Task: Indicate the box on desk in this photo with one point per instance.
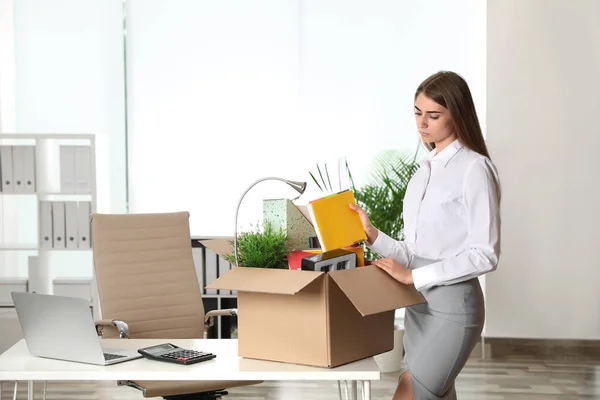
(314, 318)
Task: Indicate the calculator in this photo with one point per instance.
(170, 353)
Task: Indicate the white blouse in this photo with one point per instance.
(451, 219)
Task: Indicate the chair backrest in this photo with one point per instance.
(146, 276)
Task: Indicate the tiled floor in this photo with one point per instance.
(480, 380)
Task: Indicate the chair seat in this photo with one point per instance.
(172, 388)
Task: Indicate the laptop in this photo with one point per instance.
(63, 328)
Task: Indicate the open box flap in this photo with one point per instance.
(259, 280)
(219, 246)
(265, 280)
(373, 291)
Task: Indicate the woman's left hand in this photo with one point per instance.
(396, 270)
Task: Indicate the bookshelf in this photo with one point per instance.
(27, 240)
(48, 190)
(209, 266)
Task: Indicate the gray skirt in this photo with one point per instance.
(440, 335)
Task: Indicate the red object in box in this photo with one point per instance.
(295, 259)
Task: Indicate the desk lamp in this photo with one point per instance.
(300, 187)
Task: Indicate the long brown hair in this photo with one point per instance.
(451, 91)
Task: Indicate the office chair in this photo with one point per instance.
(148, 288)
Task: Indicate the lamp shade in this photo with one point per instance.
(299, 187)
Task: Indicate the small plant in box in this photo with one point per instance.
(266, 248)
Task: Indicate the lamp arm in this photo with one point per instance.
(235, 252)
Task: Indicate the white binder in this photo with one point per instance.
(83, 224)
(83, 169)
(29, 169)
(71, 224)
(7, 169)
(40, 277)
(46, 233)
(18, 170)
(67, 169)
(58, 224)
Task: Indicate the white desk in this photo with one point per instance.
(16, 364)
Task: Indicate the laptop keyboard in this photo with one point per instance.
(108, 356)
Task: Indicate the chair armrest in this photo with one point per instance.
(209, 318)
(121, 326)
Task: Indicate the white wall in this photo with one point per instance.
(7, 124)
(62, 71)
(216, 89)
(543, 100)
(7, 67)
(70, 75)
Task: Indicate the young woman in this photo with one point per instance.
(452, 236)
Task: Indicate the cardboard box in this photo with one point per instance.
(313, 318)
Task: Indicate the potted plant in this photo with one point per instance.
(383, 197)
(261, 248)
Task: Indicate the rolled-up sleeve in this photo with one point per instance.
(482, 203)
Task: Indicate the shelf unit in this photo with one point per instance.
(48, 187)
(209, 266)
(16, 214)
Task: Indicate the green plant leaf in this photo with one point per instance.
(321, 175)
(315, 180)
(383, 197)
(350, 176)
(266, 248)
(328, 180)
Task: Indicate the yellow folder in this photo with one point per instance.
(336, 225)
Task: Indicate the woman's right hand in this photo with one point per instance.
(370, 230)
